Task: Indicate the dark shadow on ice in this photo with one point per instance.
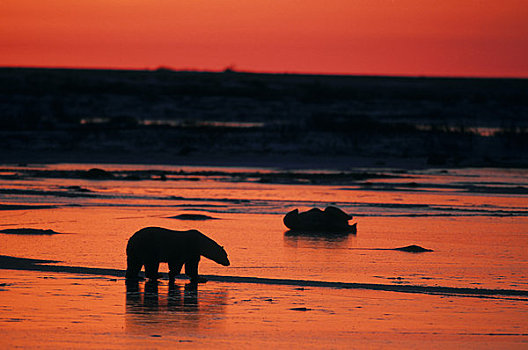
(413, 249)
(29, 231)
(192, 217)
(96, 174)
(24, 206)
(13, 263)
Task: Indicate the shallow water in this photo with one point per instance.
(474, 220)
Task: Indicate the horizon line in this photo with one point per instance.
(234, 70)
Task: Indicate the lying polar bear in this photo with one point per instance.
(331, 220)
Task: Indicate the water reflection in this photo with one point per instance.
(155, 308)
(296, 238)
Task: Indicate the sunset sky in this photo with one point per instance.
(381, 37)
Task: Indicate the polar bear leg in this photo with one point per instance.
(133, 267)
(151, 269)
(191, 270)
(174, 269)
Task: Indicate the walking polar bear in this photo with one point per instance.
(152, 245)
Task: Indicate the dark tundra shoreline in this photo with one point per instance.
(246, 119)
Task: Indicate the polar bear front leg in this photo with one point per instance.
(134, 265)
(191, 270)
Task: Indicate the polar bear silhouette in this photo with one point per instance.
(332, 220)
(152, 245)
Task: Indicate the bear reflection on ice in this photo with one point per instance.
(331, 220)
(152, 245)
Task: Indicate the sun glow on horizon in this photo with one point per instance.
(380, 37)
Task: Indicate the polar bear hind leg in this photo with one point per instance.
(174, 269)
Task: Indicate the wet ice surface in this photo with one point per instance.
(474, 220)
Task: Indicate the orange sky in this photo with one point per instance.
(395, 37)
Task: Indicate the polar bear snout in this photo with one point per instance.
(224, 261)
